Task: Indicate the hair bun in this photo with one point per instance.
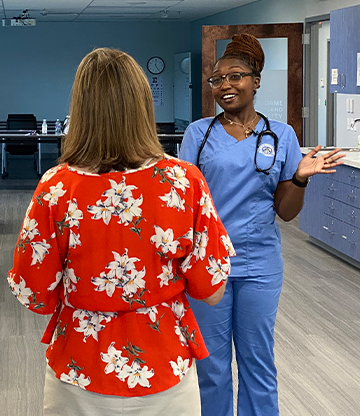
(247, 44)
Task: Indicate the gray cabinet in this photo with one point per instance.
(331, 211)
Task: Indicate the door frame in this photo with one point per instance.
(292, 31)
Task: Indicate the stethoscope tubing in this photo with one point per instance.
(260, 136)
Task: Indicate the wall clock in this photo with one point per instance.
(156, 65)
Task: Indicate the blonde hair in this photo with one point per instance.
(112, 121)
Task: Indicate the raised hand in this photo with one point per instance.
(311, 164)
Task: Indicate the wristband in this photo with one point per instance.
(298, 183)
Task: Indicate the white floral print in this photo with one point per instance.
(179, 330)
(90, 322)
(151, 311)
(130, 209)
(74, 214)
(74, 239)
(173, 200)
(218, 270)
(70, 281)
(177, 175)
(55, 193)
(135, 281)
(122, 265)
(119, 192)
(228, 245)
(75, 379)
(114, 360)
(40, 249)
(136, 375)
(102, 210)
(107, 282)
(207, 205)
(164, 240)
(119, 202)
(201, 240)
(122, 274)
(180, 367)
(186, 264)
(178, 309)
(53, 285)
(29, 229)
(20, 290)
(49, 174)
(166, 275)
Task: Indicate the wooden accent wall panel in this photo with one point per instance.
(291, 31)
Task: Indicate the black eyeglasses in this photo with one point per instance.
(232, 78)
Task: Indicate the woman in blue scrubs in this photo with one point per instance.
(248, 193)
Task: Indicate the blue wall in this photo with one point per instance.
(260, 12)
(38, 63)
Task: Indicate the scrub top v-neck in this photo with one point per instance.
(242, 196)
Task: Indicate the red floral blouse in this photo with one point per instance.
(111, 256)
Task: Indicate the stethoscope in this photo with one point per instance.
(260, 136)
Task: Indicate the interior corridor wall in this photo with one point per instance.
(38, 63)
(259, 12)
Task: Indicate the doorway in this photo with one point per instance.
(292, 32)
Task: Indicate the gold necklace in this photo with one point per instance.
(247, 128)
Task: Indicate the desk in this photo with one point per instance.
(171, 139)
(21, 137)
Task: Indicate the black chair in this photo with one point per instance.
(167, 128)
(21, 122)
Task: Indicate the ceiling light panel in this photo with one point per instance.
(125, 3)
(63, 5)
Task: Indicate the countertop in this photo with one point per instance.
(352, 158)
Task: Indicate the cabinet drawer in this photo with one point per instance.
(332, 232)
(349, 175)
(351, 215)
(333, 189)
(351, 195)
(351, 241)
(332, 207)
(342, 192)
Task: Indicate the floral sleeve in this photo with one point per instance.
(37, 267)
(207, 265)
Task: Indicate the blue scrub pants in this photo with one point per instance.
(247, 314)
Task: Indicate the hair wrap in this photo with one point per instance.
(246, 45)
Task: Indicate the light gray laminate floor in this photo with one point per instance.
(317, 333)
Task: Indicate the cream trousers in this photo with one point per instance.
(62, 399)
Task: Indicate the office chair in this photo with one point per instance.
(20, 122)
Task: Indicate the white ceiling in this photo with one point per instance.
(116, 10)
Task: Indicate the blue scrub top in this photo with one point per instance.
(242, 196)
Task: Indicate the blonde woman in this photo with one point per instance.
(113, 238)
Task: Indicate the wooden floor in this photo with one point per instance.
(317, 332)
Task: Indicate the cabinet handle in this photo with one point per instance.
(352, 216)
(325, 228)
(332, 208)
(352, 176)
(331, 188)
(351, 196)
(352, 242)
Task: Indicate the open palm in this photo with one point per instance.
(311, 164)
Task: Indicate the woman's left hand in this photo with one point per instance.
(311, 165)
